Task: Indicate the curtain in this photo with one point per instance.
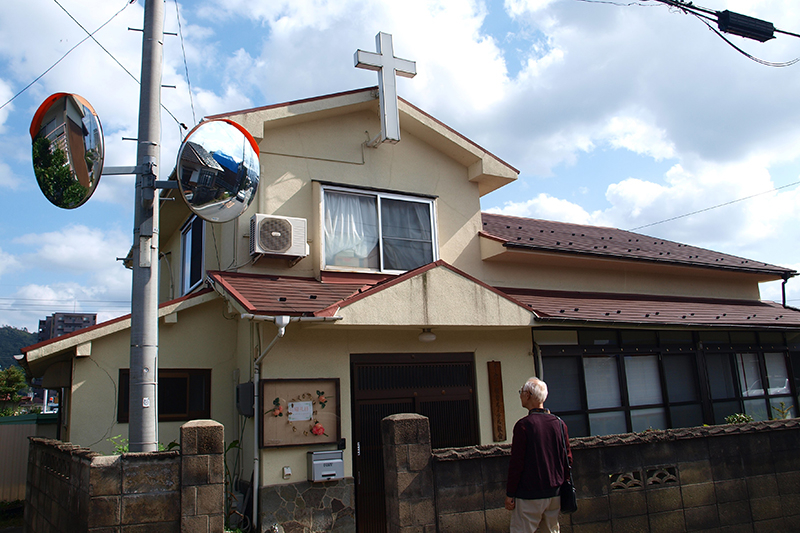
(602, 383)
(777, 375)
(749, 376)
(407, 236)
(644, 382)
(351, 229)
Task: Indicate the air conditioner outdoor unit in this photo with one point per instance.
(276, 235)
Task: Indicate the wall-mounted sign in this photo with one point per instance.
(299, 411)
(296, 412)
(67, 143)
(218, 170)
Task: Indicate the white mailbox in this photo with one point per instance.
(325, 466)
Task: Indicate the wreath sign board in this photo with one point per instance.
(297, 412)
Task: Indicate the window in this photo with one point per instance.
(192, 237)
(377, 231)
(608, 394)
(183, 394)
(616, 381)
(755, 383)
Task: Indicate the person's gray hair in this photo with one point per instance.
(537, 389)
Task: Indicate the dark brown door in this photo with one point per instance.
(439, 386)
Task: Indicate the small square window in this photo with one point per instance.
(183, 394)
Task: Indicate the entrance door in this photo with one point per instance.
(439, 386)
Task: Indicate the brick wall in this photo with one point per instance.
(717, 478)
(70, 488)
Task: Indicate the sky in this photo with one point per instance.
(620, 114)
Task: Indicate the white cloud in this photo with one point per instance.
(8, 179)
(5, 96)
(76, 249)
(639, 136)
(518, 7)
(34, 302)
(548, 208)
(8, 263)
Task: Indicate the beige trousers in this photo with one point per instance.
(528, 514)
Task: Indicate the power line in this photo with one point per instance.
(90, 35)
(185, 64)
(727, 21)
(65, 299)
(115, 59)
(714, 206)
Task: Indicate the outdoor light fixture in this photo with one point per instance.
(427, 335)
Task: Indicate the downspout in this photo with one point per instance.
(281, 322)
(786, 278)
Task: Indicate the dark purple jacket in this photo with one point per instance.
(538, 467)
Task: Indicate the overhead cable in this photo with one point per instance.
(714, 206)
(185, 64)
(90, 35)
(115, 59)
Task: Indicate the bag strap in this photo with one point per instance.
(564, 445)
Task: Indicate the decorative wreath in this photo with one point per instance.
(318, 401)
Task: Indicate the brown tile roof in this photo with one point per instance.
(275, 295)
(577, 307)
(279, 295)
(561, 237)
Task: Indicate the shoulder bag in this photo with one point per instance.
(569, 500)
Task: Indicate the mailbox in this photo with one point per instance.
(325, 466)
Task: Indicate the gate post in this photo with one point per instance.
(408, 473)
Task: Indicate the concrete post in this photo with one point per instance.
(408, 470)
(202, 477)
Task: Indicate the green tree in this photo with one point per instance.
(12, 380)
(55, 178)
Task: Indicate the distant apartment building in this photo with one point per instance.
(59, 324)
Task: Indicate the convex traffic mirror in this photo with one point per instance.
(218, 170)
(67, 142)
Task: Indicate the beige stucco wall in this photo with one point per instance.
(316, 351)
(436, 297)
(332, 150)
(201, 338)
(573, 273)
(296, 155)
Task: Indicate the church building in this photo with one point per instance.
(364, 280)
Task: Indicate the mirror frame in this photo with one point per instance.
(230, 212)
(85, 171)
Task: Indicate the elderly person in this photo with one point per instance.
(538, 465)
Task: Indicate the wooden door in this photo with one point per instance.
(439, 386)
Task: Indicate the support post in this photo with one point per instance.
(143, 428)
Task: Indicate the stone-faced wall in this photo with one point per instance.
(70, 488)
(308, 507)
(717, 478)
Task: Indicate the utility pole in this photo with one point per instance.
(143, 411)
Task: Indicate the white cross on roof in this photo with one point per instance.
(387, 66)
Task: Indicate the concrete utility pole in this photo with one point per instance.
(143, 410)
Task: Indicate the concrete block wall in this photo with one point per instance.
(727, 478)
(72, 489)
(408, 474)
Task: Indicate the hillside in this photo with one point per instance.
(11, 340)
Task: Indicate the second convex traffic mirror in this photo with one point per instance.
(67, 143)
(218, 170)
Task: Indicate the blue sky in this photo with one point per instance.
(616, 115)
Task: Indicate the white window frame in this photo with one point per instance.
(188, 237)
(379, 195)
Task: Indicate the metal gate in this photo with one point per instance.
(439, 386)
